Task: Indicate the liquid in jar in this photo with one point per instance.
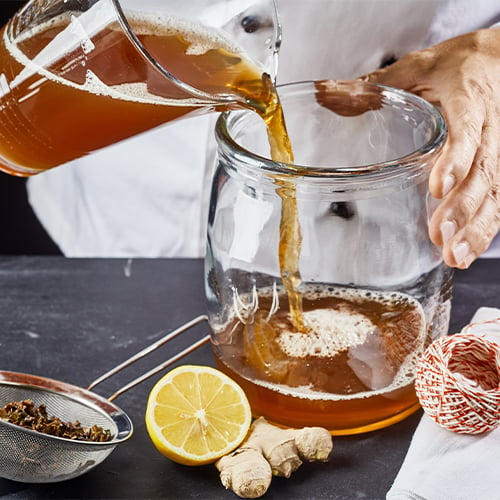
(351, 371)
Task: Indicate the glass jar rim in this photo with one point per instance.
(394, 167)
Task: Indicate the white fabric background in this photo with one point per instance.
(148, 196)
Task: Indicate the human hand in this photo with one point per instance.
(462, 75)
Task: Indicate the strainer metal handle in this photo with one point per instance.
(148, 350)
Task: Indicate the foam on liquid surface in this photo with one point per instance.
(330, 331)
(201, 40)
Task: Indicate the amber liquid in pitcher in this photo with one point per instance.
(99, 95)
(96, 96)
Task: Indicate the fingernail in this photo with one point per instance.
(469, 260)
(448, 183)
(448, 229)
(461, 252)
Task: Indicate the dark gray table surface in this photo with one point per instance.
(73, 319)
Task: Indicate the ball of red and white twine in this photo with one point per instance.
(458, 383)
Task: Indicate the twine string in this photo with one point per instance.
(458, 381)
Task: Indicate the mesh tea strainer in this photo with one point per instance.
(33, 457)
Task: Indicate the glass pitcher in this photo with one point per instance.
(78, 75)
(352, 213)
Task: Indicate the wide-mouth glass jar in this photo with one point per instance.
(323, 286)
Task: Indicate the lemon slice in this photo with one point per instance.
(197, 414)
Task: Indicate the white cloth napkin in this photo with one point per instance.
(443, 465)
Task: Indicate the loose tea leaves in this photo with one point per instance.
(27, 415)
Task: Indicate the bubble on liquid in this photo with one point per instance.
(201, 38)
(330, 331)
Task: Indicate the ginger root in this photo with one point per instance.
(271, 451)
